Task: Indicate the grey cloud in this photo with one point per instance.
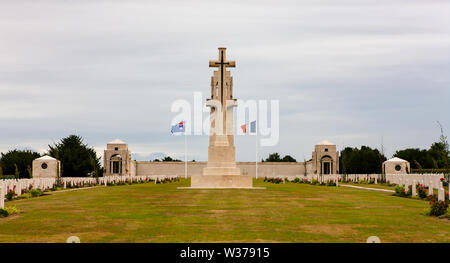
(349, 71)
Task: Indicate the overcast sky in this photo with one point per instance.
(352, 72)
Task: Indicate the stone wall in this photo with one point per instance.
(247, 168)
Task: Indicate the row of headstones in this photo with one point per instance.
(73, 181)
(392, 178)
(77, 181)
(325, 178)
(360, 177)
(432, 181)
(331, 177)
(132, 179)
(21, 185)
(18, 186)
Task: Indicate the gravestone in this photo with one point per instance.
(2, 196)
(414, 192)
(430, 186)
(19, 188)
(441, 192)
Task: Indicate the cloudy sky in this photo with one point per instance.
(354, 72)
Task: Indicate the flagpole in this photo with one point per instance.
(256, 161)
(185, 154)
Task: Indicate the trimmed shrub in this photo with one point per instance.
(35, 192)
(11, 210)
(401, 191)
(10, 195)
(437, 208)
(3, 213)
(421, 191)
(274, 180)
(331, 183)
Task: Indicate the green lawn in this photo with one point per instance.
(385, 186)
(377, 186)
(281, 213)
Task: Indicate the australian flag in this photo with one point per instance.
(179, 127)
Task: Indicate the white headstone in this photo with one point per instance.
(441, 192)
(2, 196)
(413, 188)
(19, 188)
(430, 186)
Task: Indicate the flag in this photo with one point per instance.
(253, 127)
(244, 128)
(179, 127)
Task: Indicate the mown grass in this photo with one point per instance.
(377, 186)
(281, 213)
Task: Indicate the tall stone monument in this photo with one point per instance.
(221, 170)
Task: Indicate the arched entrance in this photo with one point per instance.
(116, 164)
(326, 164)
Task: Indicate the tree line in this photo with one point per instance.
(77, 160)
(80, 160)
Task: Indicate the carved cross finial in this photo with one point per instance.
(222, 65)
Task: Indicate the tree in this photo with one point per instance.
(434, 158)
(288, 158)
(77, 159)
(273, 157)
(170, 159)
(30, 171)
(305, 168)
(20, 158)
(416, 157)
(445, 152)
(361, 161)
(417, 164)
(16, 171)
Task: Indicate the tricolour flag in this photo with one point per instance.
(253, 127)
(179, 127)
(244, 128)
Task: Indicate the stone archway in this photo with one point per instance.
(116, 164)
(326, 165)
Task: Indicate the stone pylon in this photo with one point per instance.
(221, 170)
